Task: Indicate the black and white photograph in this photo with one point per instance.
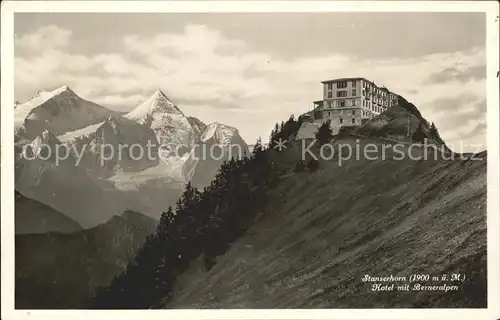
(224, 158)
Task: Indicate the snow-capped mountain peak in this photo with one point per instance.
(59, 110)
(219, 132)
(158, 102)
(55, 92)
(23, 110)
(169, 123)
(199, 168)
(63, 89)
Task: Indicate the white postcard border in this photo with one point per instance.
(7, 153)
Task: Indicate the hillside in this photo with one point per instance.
(56, 270)
(269, 233)
(322, 232)
(403, 122)
(32, 216)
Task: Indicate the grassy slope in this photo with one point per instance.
(56, 270)
(324, 231)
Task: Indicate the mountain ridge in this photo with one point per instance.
(217, 143)
(58, 111)
(32, 217)
(50, 265)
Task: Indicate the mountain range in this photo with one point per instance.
(103, 173)
(62, 270)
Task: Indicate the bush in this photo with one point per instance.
(418, 135)
(325, 133)
(313, 165)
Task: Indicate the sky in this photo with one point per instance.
(251, 70)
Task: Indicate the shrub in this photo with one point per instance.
(325, 133)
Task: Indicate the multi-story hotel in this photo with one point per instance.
(348, 101)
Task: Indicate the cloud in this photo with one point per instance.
(217, 78)
(118, 99)
(445, 105)
(45, 38)
(462, 121)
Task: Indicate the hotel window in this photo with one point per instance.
(353, 112)
(353, 120)
(330, 86)
(354, 92)
(330, 94)
(342, 84)
(341, 120)
(341, 93)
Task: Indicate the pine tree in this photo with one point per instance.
(274, 136)
(434, 131)
(418, 135)
(203, 224)
(166, 218)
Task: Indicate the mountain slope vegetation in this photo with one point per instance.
(322, 232)
(268, 233)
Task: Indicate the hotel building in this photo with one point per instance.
(350, 101)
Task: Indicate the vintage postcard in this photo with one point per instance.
(250, 160)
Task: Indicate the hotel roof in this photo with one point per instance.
(384, 88)
(341, 79)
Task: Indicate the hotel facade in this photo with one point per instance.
(349, 101)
